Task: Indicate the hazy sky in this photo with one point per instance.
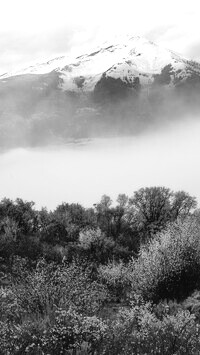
(33, 30)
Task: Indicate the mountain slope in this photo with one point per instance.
(121, 86)
(125, 59)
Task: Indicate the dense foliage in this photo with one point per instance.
(112, 279)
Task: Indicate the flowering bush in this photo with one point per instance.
(139, 331)
(169, 266)
(117, 277)
(51, 310)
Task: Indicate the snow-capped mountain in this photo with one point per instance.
(131, 58)
(124, 59)
(118, 87)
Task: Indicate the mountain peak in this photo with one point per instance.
(126, 58)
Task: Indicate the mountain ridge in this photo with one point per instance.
(119, 59)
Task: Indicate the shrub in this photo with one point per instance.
(50, 309)
(169, 266)
(117, 278)
(139, 331)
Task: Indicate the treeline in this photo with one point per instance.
(114, 279)
(102, 233)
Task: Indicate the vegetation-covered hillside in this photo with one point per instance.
(112, 279)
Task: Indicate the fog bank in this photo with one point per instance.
(84, 172)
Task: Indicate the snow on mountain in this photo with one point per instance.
(125, 58)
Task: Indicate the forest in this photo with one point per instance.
(120, 277)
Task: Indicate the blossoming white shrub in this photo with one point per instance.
(169, 266)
